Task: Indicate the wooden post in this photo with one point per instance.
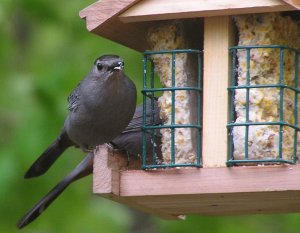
(107, 167)
(218, 37)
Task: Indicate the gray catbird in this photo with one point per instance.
(100, 108)
(130, 141)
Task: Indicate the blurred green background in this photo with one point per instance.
(45, 50)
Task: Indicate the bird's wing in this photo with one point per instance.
(73, 99)
(137, 121)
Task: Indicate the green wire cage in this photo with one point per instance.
(281, 87)
(153, 91)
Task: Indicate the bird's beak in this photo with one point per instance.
(119, 66)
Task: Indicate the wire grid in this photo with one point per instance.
(281, 123)
(150, 92)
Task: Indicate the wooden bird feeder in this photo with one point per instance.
(214, 189)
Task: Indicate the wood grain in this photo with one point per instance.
(102, 10)
(218, 37)
(191, 181)
(293, 3)
(224, 204)
(107, 179)
(149, 10)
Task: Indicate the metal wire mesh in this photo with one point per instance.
(281, 122)
(150, 91)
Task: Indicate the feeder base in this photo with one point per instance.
(173, 193)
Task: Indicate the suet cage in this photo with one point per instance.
(281, 144)
(175, 127)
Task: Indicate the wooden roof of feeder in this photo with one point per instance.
(126, 22)
(214, 189)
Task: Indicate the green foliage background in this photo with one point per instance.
(45, 50)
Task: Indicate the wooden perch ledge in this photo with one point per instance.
(172, 193)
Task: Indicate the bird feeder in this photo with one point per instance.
(242, 157)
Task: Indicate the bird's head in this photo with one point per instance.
(108, 64)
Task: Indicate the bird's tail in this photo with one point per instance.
(83, 169)
(49, 156)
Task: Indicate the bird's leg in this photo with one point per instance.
(128, 159)
(88, 149)
(111, 146)
(116, 150)
(113, 149)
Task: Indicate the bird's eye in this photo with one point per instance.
(99, 66)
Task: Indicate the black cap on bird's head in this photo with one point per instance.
(109, 63)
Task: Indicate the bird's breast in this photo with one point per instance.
(104, 112)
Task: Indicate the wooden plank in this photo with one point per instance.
(132, 203)
(149, 10)
(107, 180)
(293, 3)
(192, 181)
(225, 204)
(218, 37)
(102, 10)
(215, 191)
